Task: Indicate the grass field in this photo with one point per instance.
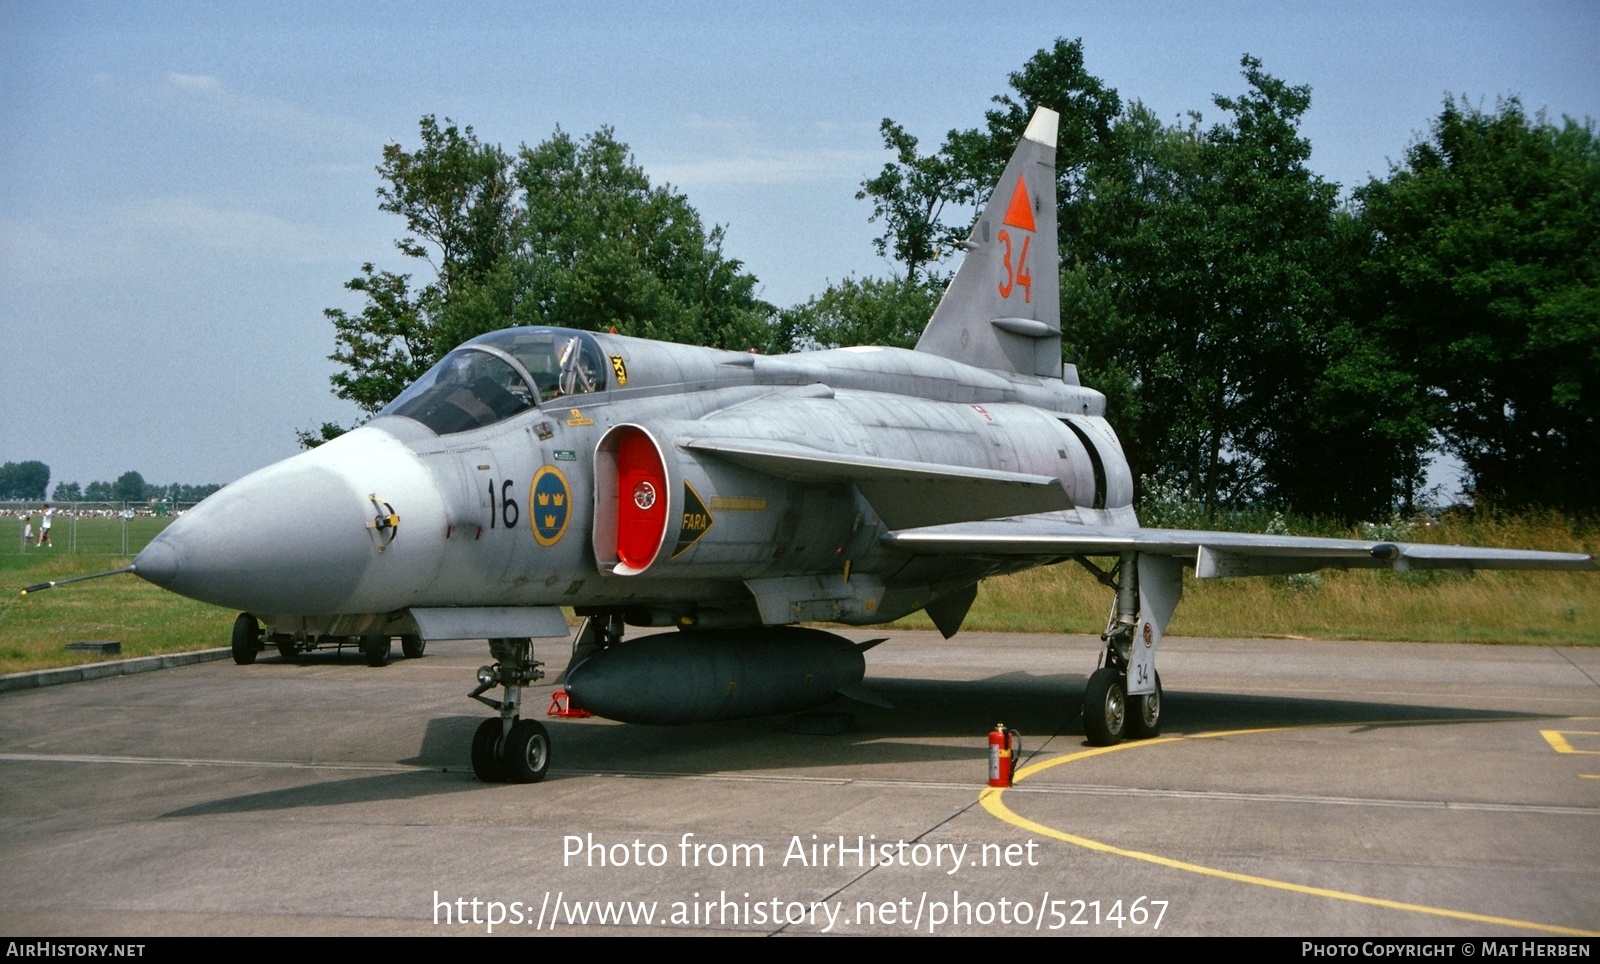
(146, 619)
(1490, 607)
(1460, 607)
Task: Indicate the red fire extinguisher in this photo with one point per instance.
(1005, 745)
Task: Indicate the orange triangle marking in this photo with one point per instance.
(1020, 213)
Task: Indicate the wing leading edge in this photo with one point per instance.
(1214, 554)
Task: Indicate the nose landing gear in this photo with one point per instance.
(509, 749)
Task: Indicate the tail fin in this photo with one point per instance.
(1003, 308)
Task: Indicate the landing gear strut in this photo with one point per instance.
(509, 749)
(1147, 590)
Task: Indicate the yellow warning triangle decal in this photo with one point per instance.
(1020, 213)
(697, 520)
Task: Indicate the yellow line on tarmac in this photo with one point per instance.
(1558, 741)
(992, 802)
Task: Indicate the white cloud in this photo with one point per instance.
(766, 168)
(190, 222)
(134, 240)
(30, 254)
(742, 151)
(215, 101)
(194, 81)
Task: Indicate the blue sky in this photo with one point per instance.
(187, 186)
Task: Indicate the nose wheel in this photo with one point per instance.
(509, 749)
(521, 755)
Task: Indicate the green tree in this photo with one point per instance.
(384, 348)
(1211, 288)
(193, 493)
(865, 311)
(129, 487)
(24, 480)
(459, 204)
(910, 196)
(1206, 297)
(927, 202)
(67, 492)
(1485, 275)
(610, 250)
(455, 193)
(568, 233)
(1356, 451)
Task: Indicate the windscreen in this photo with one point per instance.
(468, 389)
(495, 376)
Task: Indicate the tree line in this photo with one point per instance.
(28, 481)
(1261, 339)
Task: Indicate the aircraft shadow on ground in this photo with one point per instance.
(1043, 708)
(379, 788)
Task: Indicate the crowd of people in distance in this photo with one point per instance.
(47, 514)
(87, 512)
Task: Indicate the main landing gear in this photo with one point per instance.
(1147, 590)
(509, 749)
(1110, 715)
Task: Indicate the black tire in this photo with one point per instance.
(1105, 708)
(526, 754)
(486, 752)
(376, 648)
(413, 646)
(246, 639)
(287, 648)
(1144, 714)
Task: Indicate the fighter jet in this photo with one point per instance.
(732, 497)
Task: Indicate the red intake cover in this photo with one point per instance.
(641, 499)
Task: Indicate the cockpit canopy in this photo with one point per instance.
(495, 376)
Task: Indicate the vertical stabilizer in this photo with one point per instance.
(1003, 308)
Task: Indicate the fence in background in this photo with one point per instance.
(85, 528)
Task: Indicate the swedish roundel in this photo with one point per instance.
(550, 502)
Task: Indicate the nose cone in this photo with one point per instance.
(295, 538)
(288, 539)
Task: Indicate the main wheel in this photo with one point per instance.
(1144, 714)
(286, 647)
(376, 648)
(246, 639)
(526, 753)
(1105, 707)
(413, 646)
(486, 759)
